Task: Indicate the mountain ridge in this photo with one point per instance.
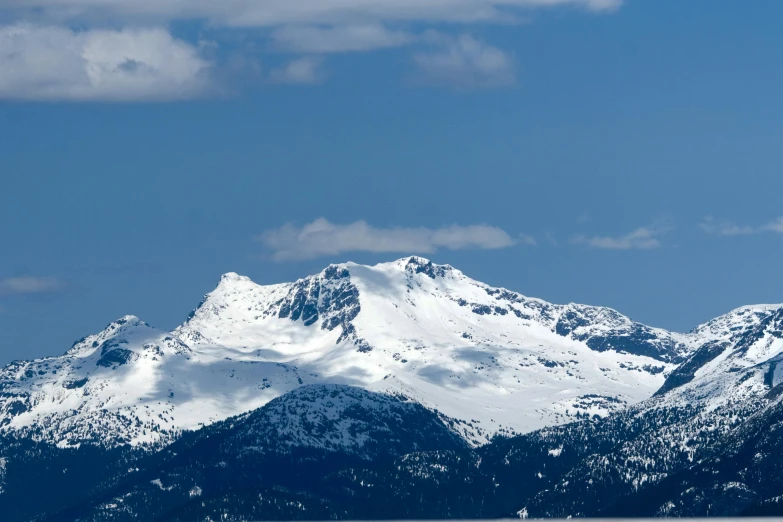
(408, 327)
(309, 381)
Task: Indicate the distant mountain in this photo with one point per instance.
(491, 360)
(706, 445)
(662, 424)
(132, 384)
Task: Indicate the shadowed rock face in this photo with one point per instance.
(330, 298)
(116, 357)
(686, 372)
(420, 265)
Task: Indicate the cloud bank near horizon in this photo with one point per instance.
(29, 285)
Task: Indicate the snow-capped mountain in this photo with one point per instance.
(700, 437)
(431, 333)
(490, 359)
(700, 446)
(133, 384)
(707, 445)
(730, 345)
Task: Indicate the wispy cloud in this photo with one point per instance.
(464, 62)
(276, 13)
(322, 237)
(301, 71)
(728, 228)
(725, 228)
(339, 39)
(525, 239)
(645, 238)
(774, 226)
(55, 63)
(30, 285)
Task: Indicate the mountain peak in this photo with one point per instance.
(417, 260)
(232, 277)
(128, 319)
(124, 323)
(422, 265)
(738, 320)
(231, 283)
(333, 272)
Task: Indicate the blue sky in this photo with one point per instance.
(619, 153)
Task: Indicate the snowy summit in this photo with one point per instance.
(488, 360)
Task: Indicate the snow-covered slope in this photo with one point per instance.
(494, 360)
(701, 445)
(133, 384)
(743, 343)
(707, 444)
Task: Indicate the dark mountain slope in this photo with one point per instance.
(270, 463)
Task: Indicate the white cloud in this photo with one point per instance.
(55, 63)
(30, 285)
(464, 62)
(306, 70)
(640, 239)
(774, 226)
(339, 39)
(275, 13)
(725, 228)
(321, 238)
(525, 239)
